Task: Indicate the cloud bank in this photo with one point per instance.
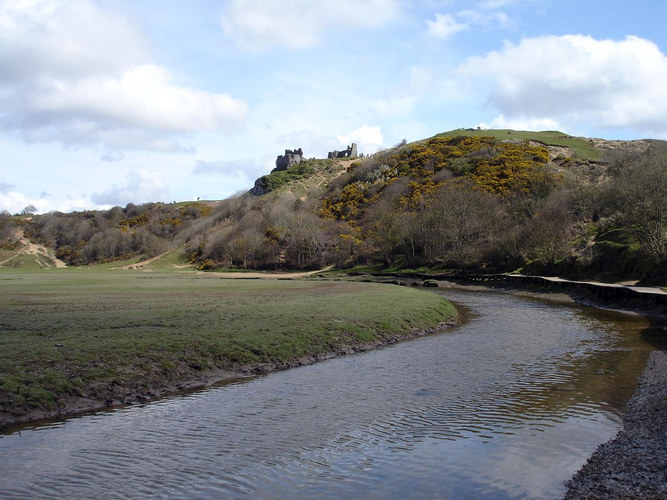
(141, 185)
(75, 74)
(575, 78)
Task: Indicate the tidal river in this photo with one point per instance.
(509, 405)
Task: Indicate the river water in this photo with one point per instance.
(509, 405)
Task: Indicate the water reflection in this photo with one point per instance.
(507, 406)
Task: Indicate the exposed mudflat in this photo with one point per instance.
(634, 463)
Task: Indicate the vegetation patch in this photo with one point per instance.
(111, 336)
(584, 149)
(279, 178)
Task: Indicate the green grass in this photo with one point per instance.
(107, 334)
(22, 263)
(183, 204)
(172, 260)
(583, 149)
(382, 270)
(304, 172)
(117, 263)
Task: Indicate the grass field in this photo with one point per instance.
(103, 335)
(583, 149)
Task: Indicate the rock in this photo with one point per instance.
(260, 187)
(291, 157)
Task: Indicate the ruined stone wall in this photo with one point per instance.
(291, 157)
(350, 152)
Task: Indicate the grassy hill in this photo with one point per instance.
(482, 200)
(583, 149)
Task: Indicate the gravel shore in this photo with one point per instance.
(634, 463)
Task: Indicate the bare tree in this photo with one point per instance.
(384, 226)
(639, 188)
(464, 218)
(550, 230)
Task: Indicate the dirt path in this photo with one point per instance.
(44, 259)
(139, 265)
(627, 284)
(265, 275)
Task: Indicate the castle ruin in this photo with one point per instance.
(350, 152)
(291, 157)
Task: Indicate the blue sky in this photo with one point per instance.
(107, 102)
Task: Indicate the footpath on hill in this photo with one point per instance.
(27, 247)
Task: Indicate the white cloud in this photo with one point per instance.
(256, 25)
(487, 15)
(444, 26)
(400, 100)
(394, 106)
(519, 123)
(420, 79)
(141, 186)
(602, 83)
(368, 139)
(485, 18)
(143, 96)
(73, 73)
(243, 168)
(14, 202)
(66, 38)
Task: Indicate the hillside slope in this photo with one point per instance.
(467, 199)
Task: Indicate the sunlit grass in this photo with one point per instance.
(583, 149)
(83, 332)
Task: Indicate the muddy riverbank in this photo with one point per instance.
(192, 380)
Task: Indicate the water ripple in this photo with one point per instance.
(506, 406)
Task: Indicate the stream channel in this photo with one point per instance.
(509, 405)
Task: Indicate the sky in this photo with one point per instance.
(110, 102)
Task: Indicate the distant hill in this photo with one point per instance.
(467, 199)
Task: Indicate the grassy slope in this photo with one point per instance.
(109, 335)
(319, 172)
(583, 149)
(169, 261)
(20, 262)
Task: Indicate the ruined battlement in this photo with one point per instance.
(291, 157)
(350, 152)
